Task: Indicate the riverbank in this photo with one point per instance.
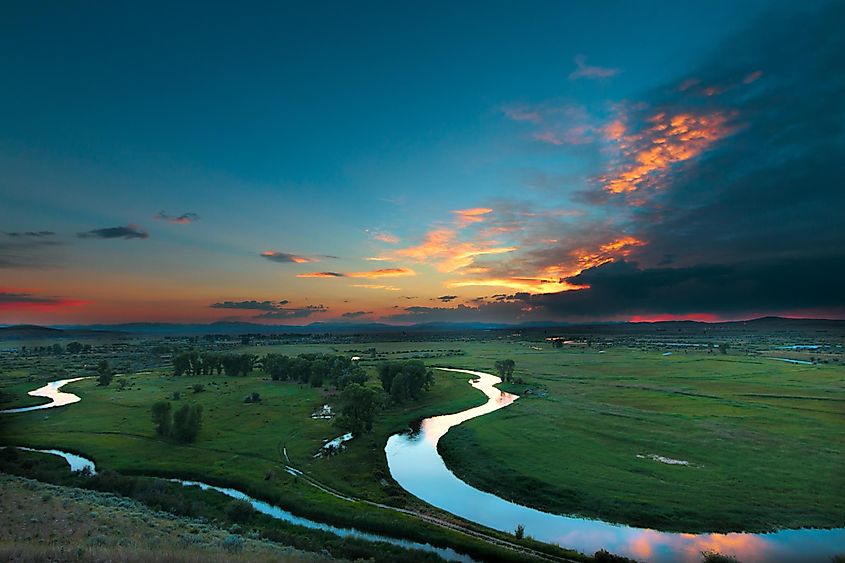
(754, 441)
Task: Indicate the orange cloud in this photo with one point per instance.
(375, 286)
(386, 237)
(382, 273)
(371, 274)
(448, 254)
(276, 256)
(473, 215)
(525, 284)
(668, 140)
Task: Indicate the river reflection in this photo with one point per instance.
(53, 392)
(415, 464)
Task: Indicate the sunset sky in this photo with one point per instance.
(408, 162)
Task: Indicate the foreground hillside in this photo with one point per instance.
(43, 522)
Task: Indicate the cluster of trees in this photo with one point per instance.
(104, 373)
(505, 369)
(182, 425)
(208, 363)
(405, 381)
(358, 408)
(315, 369)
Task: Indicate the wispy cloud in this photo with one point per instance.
(383, 236)
(30, 234)
(293, 312)
(11, 300)
(447, 298)
(320, 275)
(183, 219)
(370, 274)
(583, 70)
(271, 309)
(128, 232)
(356, 314)
(473, 215)
(376, 286)
(286, 257)
(251, 305)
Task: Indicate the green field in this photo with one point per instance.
(763, 438)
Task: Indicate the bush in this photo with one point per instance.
(198, 387)
(239, 511)
(233, 543)
(253, 398)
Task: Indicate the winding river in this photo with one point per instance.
(416, 465)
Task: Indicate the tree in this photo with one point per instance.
(162, 417)
(319, 371)
(405, 381)
(104, 372)
(505, 369)
(358, 407)
(186, 423)
(74, 347)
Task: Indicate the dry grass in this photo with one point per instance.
(41, 522)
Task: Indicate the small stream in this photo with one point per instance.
(79, 463)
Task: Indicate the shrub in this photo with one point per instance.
(233, 543)
(239, 511)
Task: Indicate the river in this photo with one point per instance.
(417, 466)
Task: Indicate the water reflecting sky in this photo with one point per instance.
(416, 465)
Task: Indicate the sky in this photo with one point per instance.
(407, 162)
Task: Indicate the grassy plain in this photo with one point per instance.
(241, 444)
(762, 439)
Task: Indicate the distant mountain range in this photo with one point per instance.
(19, 332)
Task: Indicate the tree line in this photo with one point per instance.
(315, 369)
(209, 363)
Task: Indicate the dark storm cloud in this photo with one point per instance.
(625, 288)
(249, 305)
(183, 219)
(742, 209)
(773, 187)
(356, 314)
(127, 232)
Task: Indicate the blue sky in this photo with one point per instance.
(313, 129)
